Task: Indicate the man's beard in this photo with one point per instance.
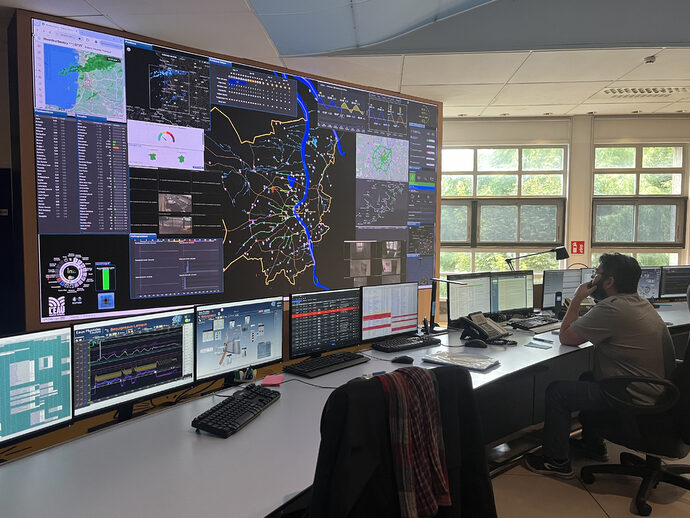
(599, 293)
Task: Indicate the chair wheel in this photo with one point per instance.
(643, 508)
(587, 477)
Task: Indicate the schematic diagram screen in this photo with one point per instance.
(117, 361)
(198, 179)
(35, 382)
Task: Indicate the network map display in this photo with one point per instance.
(170, 178)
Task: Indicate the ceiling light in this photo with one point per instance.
(591, 113)
(547, 113)
(649, 59)
(680, 111)
(668, 93)
(504, 114)
(636, 111)
(462, 115)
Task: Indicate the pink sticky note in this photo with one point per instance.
(273, 380)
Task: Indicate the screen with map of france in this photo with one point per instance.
(166, 177)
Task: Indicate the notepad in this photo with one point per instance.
(273, 380)
(471, 361)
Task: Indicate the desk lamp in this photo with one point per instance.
(561, 253)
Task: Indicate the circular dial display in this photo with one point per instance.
(70, 273)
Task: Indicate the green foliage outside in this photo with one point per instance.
(453, 223)
(542, 159)
(656, 223)
(497, 159)
(456, 185)
(614, 223)
(657, 259)
(539, 263)
(660, 183)
(614, 157)
(497, 185)
(491, 261)
(497, 223)
(542, 185)
(656, 157)
(538, 223)
(614, 184)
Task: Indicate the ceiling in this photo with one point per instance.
(508, 58)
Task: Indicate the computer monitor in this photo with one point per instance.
(674, 281)
(650, 282)
(237, 335)
(565, 281)
(117, 362)
(474, 296)
(587, 274)
(389, 309)
(512, 292)
(35, 382)
(324, 320)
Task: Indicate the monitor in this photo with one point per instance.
(475, 296)
(650, 282)
(565, 281)
(324, 320)
(674, 281)
(512, 292)
(117, 362)
(587, 274)
(237, 335)
(35, 382)
(388, 310)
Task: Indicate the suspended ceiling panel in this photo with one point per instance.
(440, 69)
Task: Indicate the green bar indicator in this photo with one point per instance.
(106, 278)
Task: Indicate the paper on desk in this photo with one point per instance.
(273, 380)
(538, 345)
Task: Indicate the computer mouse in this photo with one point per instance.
(475, 342)
(403, 359)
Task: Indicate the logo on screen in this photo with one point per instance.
(56, 306)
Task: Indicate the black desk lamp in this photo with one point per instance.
(433, 325)
(561, 253)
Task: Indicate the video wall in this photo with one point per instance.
(165, 178)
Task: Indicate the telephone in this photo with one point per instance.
(476, 325)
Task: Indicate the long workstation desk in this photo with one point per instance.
(158, 466)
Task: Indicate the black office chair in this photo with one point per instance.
(659, 430)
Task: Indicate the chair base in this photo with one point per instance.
(650, 470)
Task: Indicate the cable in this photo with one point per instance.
(310, 384)
(577, 264)
(374, 357)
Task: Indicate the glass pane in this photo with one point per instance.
(614, 223)
(539, 263)
(538, 223)
(657, 224)
(455, 262)
(497, 159)
(614, 157)
(491, 261)
(542, 185)
(542, 159)
(498, 223)
(660, 183)
(457, 159)
(614, 184)
(453, 223)
(657, 259)
(456, 185)
(497, 185)
(662, 157)
(597, 255)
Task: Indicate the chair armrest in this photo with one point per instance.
(615, 390)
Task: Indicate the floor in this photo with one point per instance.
(521, 493)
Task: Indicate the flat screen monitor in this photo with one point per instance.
(119, 361)
(565, 281)
(650, 282)
(674, 281)
(389, 309)
(512, 292)
(35, 382)
(587, 274)
(475, 296)
(324, 320)
(238, 335)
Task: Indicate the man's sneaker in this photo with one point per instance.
(590, 450)
(547, 466)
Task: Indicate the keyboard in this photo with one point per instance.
(313, 367)
(235, 411)
(532, 322)
(403, 343)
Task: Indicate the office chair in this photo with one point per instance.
(355, 474)
(659, 430)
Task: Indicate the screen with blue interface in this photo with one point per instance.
(650, 282)
(35, 382)
(121, 360)
(674, 281)
(237, 335)
(162, 175)
(512, 291)
(475, 295)
(389, 309)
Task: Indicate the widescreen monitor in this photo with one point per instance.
(35, 382)
(650, 282)
(388, 310)
(324, 320)
(512, 292)
(238, 335)
(122, 360)
(474, 296)
(674, 281)
(565, 281)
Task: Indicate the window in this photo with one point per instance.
(637, 197)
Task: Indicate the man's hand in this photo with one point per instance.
(567, 335)
(583, 291)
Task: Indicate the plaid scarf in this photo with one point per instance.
(416, 441)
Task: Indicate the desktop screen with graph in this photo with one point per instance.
(121, 360)
(35, 382)
(237, 335)
(170, 177)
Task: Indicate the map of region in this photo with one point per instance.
(382, 158)
(276, 183)
(85, 83)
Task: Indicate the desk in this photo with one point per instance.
(678, 315)
(158, 466)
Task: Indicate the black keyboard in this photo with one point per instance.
(313, 367)
(532, 322)
(403, 343)
(235, 411)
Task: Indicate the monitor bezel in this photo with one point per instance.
(664, 269)
(402, 333)
(510, 273)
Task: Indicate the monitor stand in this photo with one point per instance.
(124, 413)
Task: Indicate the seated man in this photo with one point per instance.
(630, 339)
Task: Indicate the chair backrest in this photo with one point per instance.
(681, 412)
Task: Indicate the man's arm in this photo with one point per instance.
(569, 336)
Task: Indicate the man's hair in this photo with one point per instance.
(624, 269)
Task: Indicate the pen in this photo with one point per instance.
(542, 340)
